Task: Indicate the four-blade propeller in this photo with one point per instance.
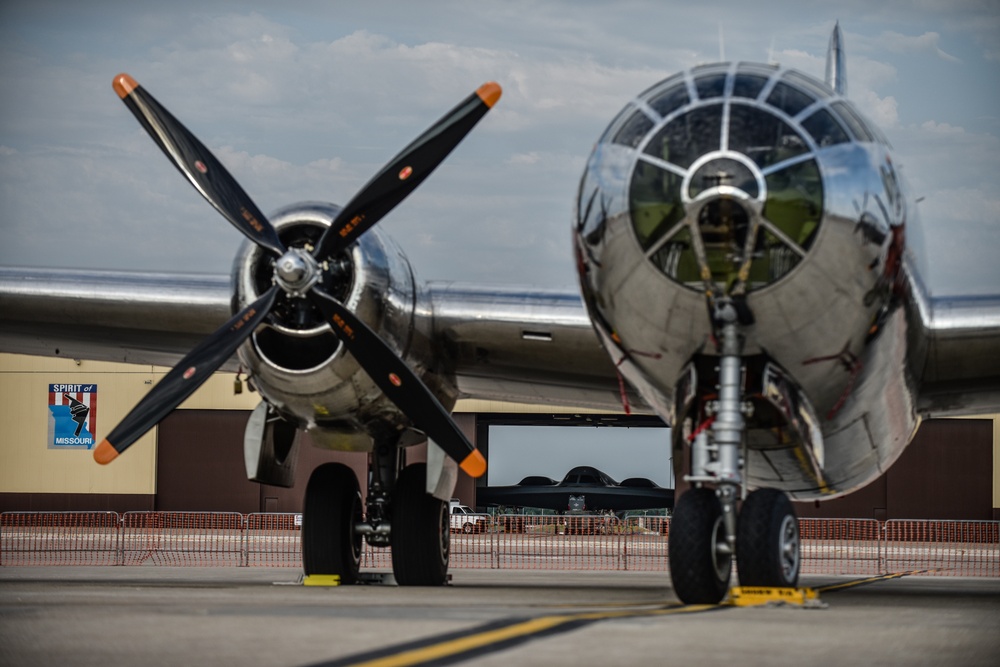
(295, 271)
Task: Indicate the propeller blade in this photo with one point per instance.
(406, 171)
(400, 384)
(192, 371)
(198, 165)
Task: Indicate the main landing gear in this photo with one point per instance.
(707, 532)
(400, 514)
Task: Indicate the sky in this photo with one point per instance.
(517, 451)
(307, 100)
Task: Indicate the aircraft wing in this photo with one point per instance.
(131, 317)
(501, 343)
(954, 351)
(513, 344)
(525, 345)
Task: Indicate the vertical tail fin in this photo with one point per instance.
(836, 62)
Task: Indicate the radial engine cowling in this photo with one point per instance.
(295, 361)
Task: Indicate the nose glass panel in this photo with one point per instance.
(746, 217)
(723, 171)
(655, 202)
(688, 137)
(762, 136)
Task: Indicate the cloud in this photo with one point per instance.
(882, 110)
(942, 129)
(925, 43)
(524, 158)
(954, 220)
(952, 169)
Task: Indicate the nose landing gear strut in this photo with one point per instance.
(708, 530)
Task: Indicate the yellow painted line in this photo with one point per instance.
(524, 629)
(455, 646)
(869, 580)
(634, 613)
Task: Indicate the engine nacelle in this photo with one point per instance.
(296, 362)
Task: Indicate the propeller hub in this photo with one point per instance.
(296, 272)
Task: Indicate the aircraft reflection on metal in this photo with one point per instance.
(599, 491)
(740, 239)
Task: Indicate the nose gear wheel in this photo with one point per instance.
(768, 539)
(709, 528)
(700, 562)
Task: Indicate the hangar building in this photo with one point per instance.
(193, 461)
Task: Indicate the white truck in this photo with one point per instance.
(464, 520)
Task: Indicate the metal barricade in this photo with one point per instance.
(476, 549)
(183, 538)
(644, 543)
(955, 548)
(829, 546)
(561, 543)
(59, 538)
(274, 540)
(841, 546)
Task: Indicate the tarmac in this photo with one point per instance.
(151, 616)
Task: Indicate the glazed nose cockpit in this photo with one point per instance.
(726, 193)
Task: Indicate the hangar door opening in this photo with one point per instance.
(549, 447)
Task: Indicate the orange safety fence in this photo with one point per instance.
(841, 546)
(183, 538)
(274, 540)
(829, 546)
(644, 543)
(561, 543)
(59, 538)
(957, 548)
(468, 550)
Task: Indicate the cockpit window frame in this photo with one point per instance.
(852, 119)
(793, 99)
(634, 129)
(711, 85)
(816, 121)
(811, 102)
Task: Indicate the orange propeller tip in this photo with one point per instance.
(105, 453)
(489, 93)
(474, 464)
(124, 84)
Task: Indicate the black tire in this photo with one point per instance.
(700, 573)
(421, 535)
(332, 510)
(467, 528)
(767, 541)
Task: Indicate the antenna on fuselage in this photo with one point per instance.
(836, 62)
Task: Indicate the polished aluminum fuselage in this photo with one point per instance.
(847, 328)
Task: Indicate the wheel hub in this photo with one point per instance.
(722, 553)
(789, 546)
